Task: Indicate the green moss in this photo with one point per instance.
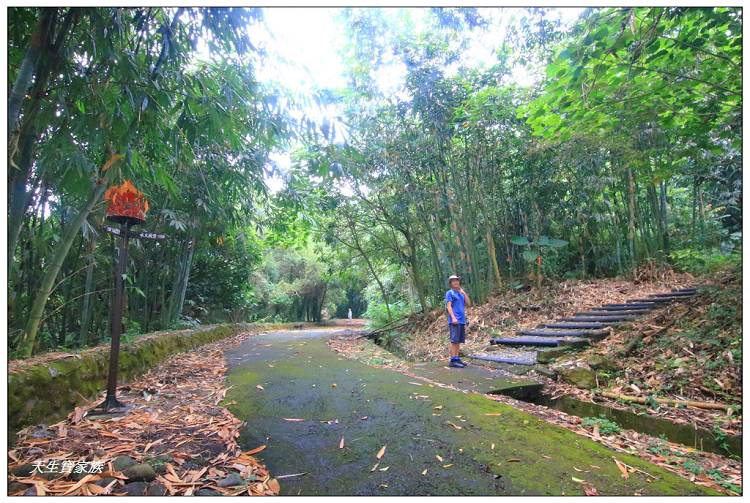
(46, 393)
(531, 457)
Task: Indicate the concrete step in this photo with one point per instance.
(673, 294)
(629, 312)
(540, 341)
(504, 359)
(591, 334)
(656, 300)
(652, 304)
(526, 341)
(600, 318)
(580, 325)
(622, 307)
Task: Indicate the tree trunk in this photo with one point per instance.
(631, 217)
(38, 42)
(664, 225)
(493, 260)
(177, 299)
(88, 288)
(41, 60)
(28, 338)
(358, 246)
(18, 197)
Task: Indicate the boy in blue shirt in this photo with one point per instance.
(456, 301)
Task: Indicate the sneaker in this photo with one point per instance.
(462, 362)
(457, 364)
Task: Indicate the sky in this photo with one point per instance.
(306, 45)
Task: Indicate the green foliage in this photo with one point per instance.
(692, 467)
(193, 135)
(721, 438)
(628, 149)
(660, 448)
(703, 261)
(606, 427)
(377, 314)
(292, 284)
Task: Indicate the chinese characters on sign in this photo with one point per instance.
(136, 235)
(67, 466)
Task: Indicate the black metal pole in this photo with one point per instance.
(115, 319)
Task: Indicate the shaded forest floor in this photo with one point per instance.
(177, 439)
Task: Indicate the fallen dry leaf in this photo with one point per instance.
(255, 450)
(590, 490)
(174, 409)
(381, 452)
(622, 468)
(273, 485)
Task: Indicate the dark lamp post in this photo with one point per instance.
(126, 206)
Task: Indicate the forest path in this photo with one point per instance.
(439, 441)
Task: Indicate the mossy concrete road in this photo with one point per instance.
(438, 441)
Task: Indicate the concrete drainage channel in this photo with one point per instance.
(685, 434)
(532, 348)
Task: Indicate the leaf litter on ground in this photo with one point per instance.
(182, 419)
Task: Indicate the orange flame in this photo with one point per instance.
(126, 201)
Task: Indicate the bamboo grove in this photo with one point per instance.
(100, 95)
(622, 146)
(629, 149)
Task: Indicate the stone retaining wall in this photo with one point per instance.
(47, 392)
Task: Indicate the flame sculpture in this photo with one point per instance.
(126, 204)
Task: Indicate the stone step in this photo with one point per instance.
(526, 341)
(540, 341)
(620, 307)
(504, 359)
(617, 310)
(592, 334)
(657, 300)
(600, 318)
(673, 294)
(584, 325)
(629, 312)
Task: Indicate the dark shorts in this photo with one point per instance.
(458, 333)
